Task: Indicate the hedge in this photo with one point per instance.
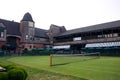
(4, 76)
(36, 52)
(13, 73)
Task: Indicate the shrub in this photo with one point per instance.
(13, 72)
(3, 76)
(16, 74)
(25, 73)
(25, 52)
(18, 68)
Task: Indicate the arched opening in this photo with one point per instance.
(13, 43)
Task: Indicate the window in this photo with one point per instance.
(106, 35)
(111, 35)
(31, 37)
(31, 31)
(76, 38)
(99, 36)
(2, 34)
(115, 35)
(31, 24)
(26, 37)
(37, 38)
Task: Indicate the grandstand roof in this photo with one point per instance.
(97, 27)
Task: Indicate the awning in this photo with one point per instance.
(41, 49)
(49, 49)
(106, 44)
(38, 49)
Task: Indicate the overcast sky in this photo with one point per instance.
(69, 13)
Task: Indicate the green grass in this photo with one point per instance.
(104, 68)
(38, 74)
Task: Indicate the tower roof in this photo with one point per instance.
(27, 17)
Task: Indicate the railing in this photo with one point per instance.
(88, 41)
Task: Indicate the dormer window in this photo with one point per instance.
(30, 24)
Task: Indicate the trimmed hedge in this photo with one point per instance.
(4, 76)
(36, 52)
(13, 73)
(16, 74)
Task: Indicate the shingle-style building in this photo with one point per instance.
(24, 34)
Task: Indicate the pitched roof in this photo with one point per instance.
(12, 27)
(40, 33)
(97, 27)
(27, 17)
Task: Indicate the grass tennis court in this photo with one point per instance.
(104, 68)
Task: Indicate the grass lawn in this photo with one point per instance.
(104, 68)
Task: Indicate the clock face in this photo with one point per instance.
(31, 24)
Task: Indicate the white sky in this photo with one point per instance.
(70, 13)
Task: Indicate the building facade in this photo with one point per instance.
(20, 35)
(104, 38)
(17, 36)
